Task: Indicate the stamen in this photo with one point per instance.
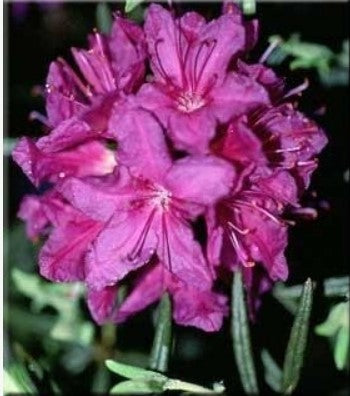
(166, 245)
(207, 43)
(160, 66)
(35, 115)
(75, 78)
(239, 230)
(297, 90)
(269, 50)
(238, 249)
(142, 237)
(286, 150)
(253, 205)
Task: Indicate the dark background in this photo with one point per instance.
(318, 249)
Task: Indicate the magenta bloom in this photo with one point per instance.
(67, 151)
(192, 90)
(247, 228)
(203, 309)
(149, 206)
(111, 66)
(131, 164)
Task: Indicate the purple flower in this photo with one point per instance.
(148, 205)
(192, 90)
(112, 66)
(46, 160)
(247, 228)
(123, 199)
(191, 306)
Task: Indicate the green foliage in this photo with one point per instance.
(241, 337)
(161, 348)
(130, 5)
(336, 328)
(248, 6)
(294, 356)
(273, 374)
(104, 18)
(64, 298)
(332, 68)
(143, 381)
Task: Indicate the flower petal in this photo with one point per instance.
(31, 211)
(149, 288)
(192, 131)
(141, 143)
(239, 144)
(128, 51)
(64, 98)
(89, 159)
(102, 303)
(236, 96)
(126, 243)
(200, 179)
(62, 257)
(162, 36)
(202, 309)
(181, 254)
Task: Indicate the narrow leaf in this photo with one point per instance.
(104, 18)
(341, 351)
(133, 372)
(162, 340)
(136, 387)
(241, 337)
(294, 357)
(174, 384)
(273, 374)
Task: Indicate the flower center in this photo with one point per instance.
(189, 101)
(161, 198)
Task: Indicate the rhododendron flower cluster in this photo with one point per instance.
(153, 128)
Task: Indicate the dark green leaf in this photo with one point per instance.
(162, 340)
(294, 357)
(241, 337)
